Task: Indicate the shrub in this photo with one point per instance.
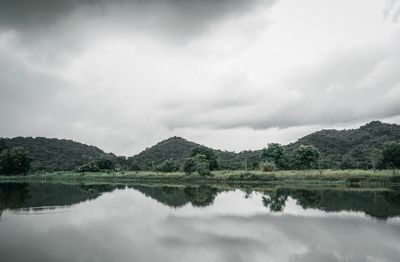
(96, 166)
(267, 166)
(89, 167)
(168, 166)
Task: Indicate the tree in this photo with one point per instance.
(122, 162)
(3, 144)
(105, 164)
(14, 161)
(200, 196)
(391, 155)
(374, 156)
(275, 153)
(199, 163)
(348, 162)
(189, 166)
(208, 153)
(134, 167)
(168, 166)
(306, 157)
(275, 201)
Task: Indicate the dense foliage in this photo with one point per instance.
(391, 155)
(52, 154)
(274, 153)
(305, 157)
(370, 146)
(267, 166)
(198, 163)
(97, 166)
(174, 148)
(14, 161)
(168, 166)
(352, 148)
(338, 149)
(208, 153)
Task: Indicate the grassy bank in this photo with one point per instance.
(381, 177)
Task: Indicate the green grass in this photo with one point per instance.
(381, 177)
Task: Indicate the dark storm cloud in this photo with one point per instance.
(179, 17)
(186, 65)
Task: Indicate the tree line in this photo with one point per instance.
(202, 160)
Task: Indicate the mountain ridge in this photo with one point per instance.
(346, 148)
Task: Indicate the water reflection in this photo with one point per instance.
(378, 203)
(197, 223)
(179, 196)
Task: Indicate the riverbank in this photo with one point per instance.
(355, 177)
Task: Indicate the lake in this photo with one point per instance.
(110, 223)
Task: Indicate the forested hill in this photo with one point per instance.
(55, 154)
(352, 148)
(174, 148)
(178, 148)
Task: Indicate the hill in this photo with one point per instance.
(174, 148)
(53, 154)
(352, 148)
(178, 148)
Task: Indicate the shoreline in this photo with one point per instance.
(302, 177)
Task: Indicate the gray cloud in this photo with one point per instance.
(125, 74)
(25, 94)
(57, 31)
(351, 85)
(169, 17)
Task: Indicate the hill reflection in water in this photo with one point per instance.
(378, 203)
(102, 223)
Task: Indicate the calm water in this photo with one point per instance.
(45, 222)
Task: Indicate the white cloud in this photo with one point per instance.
(392, 10)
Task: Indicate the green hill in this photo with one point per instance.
(352, 148)
(178, 148)
(55, 154)
(174, 148)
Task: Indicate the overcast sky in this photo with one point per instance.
(230, 74)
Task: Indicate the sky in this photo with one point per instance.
(230, 74)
